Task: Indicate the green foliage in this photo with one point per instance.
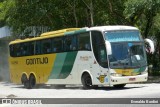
(6, 7)
(59, 14)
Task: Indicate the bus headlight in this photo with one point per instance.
(116, 75)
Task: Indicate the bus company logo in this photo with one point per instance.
(101, 78)
(33, 61)
(6, 101)
(85, 58)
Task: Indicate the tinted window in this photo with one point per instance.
(22, 49)
(84, 41)
(25, 49)
(31, 48)
(38, 47)
(52, 45)
(99, 49)
(70, 43)
(46, 46)
(13, 50)
(57, 45)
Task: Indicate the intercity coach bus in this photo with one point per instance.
(95, 56)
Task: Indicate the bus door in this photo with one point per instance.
(100, 66)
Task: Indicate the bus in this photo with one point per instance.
(95, 56)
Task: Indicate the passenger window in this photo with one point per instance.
(38, 47)
(24, 49)
(46, 46)
(12, 50)
(84, 41)
(18, 50)
(31, 48)
(67, 43)
(57, 45)
(70, 43)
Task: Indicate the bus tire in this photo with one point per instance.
(32, 81)
(25, 81)
(26, 84)
(86, 81)
(23, 78)
(119, 86)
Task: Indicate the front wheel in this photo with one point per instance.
(119, 86)
(87, 81)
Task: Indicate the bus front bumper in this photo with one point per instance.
(128, 79)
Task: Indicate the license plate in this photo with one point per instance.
(132, 79)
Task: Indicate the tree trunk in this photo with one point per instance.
(74, 13)
(90, 9)
(91, 13)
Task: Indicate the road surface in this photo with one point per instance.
(9, 90)
(151, 90)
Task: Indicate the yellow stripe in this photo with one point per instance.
(127, 72)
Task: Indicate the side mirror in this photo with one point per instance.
(108, 47)
(149, 46)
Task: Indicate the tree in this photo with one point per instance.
(145, 15)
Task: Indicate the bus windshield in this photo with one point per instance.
(128, 53)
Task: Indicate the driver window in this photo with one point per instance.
(99, 48)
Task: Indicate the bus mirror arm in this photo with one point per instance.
(108, 47)
(149, 46)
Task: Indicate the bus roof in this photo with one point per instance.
(73, 31)
(46, 35)
(112, 28)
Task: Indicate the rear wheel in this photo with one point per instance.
(26, 84)
(119, 86)
(23, 78)
(32, 81)
(87, 81)
(25, 81)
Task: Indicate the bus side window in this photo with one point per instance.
(12, 50)
(67, 43)
(46, 46)
(74, 43)
(70, 43)
(57, 44)
(18, 50)
(84, 41)
(31, 48)
(38, 47)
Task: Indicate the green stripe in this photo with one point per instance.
(80, 31)
(63, 65)
(69, 33)
(58, 64)
(68, 65)
(75, 32)
(139, 70)
(142, 69)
